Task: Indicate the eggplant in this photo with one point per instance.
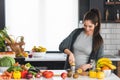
(34, 70)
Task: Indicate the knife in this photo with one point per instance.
(93, 64)
(72, 65)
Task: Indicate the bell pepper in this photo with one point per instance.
(16, 74)
(92, 74)
(24, 73)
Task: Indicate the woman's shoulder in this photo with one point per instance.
(79, 29)
(76, 31)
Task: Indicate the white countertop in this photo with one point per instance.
(112, 77)
(113, 57)
(61, 57)
(49, 57)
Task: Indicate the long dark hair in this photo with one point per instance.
(95, 17)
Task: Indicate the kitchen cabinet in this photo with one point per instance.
(109, 9)
(85, 5)
(49, 61)
(52, 65)
(116, 62)
(117, 71)
(112, 7)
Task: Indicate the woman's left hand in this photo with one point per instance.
(84, 67)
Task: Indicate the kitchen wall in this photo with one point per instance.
(111, 35)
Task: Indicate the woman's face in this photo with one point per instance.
(89, 27)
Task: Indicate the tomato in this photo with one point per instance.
(64, 75)
(47, 74)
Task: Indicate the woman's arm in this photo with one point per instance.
(71, 56)
(84, 67)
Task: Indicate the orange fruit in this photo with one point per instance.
(105, 68)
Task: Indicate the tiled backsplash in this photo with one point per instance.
(111, 35)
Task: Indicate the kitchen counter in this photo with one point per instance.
(56, 60)
(62, 57)
(48, 61)
(58, 72)
(49, 57)
(113, 58)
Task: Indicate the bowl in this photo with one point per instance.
(107, 73)
(38, 54)
(2, 69)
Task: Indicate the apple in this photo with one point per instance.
(64, 75)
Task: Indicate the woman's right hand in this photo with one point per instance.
(71, 58)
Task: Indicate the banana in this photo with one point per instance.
(104, 60)
(111, 66)
(100, 65)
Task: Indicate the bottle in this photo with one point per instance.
(106, 14)
(108, 0)
(118, 17)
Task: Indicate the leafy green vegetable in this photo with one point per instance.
(14, 68)
(7, 61)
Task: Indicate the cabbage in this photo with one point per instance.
(7, 61)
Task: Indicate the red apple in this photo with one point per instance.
(64, 75)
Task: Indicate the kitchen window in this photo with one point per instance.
(42, 22)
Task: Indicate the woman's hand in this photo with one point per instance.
(71, 58)
(85, 67)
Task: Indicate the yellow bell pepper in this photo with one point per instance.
(16, 74)
(92, 74)
(100, 75)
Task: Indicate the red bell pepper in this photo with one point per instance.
(24, 73)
